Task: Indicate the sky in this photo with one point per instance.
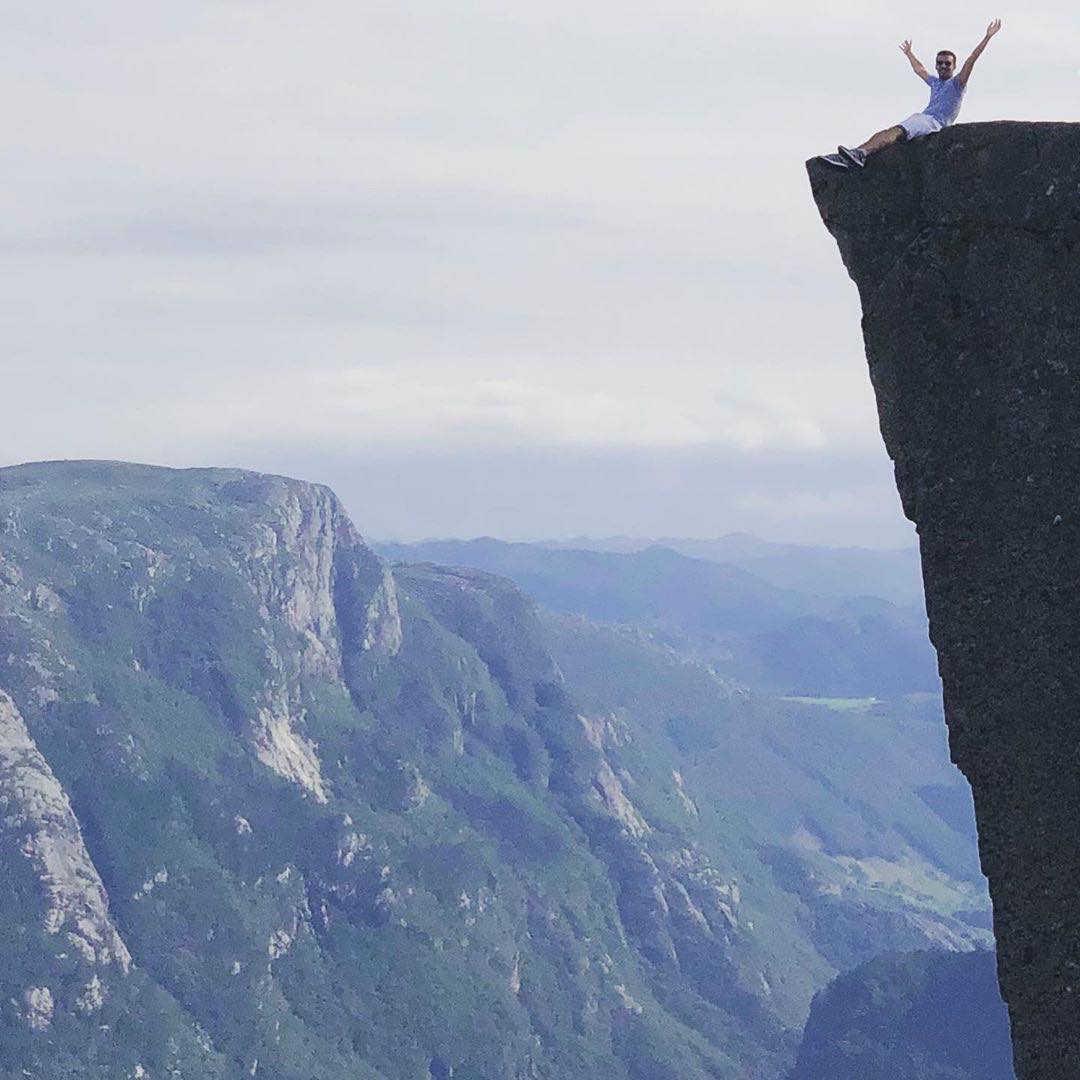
(514, 269)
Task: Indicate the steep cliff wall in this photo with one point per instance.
(966, 251)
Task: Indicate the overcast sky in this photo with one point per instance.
(508, 268)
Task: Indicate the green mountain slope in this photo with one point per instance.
(823, 803)
(272, 809)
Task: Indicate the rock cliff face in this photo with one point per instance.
(37, 821)
(966, 251)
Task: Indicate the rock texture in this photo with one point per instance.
(966, 251)
(37, 821)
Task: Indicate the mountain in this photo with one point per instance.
(892, 574)
(855, 813)
(964, 251)
(775, 639)
(916, 1016)
(272, 808)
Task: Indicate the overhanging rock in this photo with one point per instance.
(965, 247)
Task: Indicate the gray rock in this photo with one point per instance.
(965, 251)
(36, 819)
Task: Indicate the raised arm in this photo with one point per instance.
(969, 63)
(913, 60)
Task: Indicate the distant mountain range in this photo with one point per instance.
(782, 639)
(894, 574)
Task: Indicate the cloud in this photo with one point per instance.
(787, 510)
(371, 409)
(227, 225)
(211, 222)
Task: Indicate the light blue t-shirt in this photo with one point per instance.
(946, 96)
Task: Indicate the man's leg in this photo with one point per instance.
(858, 155)
(881, 139)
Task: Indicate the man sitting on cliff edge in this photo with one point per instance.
(946, 95)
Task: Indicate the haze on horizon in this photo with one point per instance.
(488, 269)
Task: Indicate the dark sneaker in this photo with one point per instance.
(854, 156)
(836, 161)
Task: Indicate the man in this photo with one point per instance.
(946, 95)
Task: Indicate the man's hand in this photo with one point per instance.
(969, 63)
(905, 48)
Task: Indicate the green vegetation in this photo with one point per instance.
(356, 826)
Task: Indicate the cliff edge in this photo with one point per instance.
(965, 248)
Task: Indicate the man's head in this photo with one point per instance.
(945, 64)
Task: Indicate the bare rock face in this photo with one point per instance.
(966, 251)
(36, 817)
(303, 560)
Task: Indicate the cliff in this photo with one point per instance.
(964, 250)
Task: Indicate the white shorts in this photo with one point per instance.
(919, 124)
